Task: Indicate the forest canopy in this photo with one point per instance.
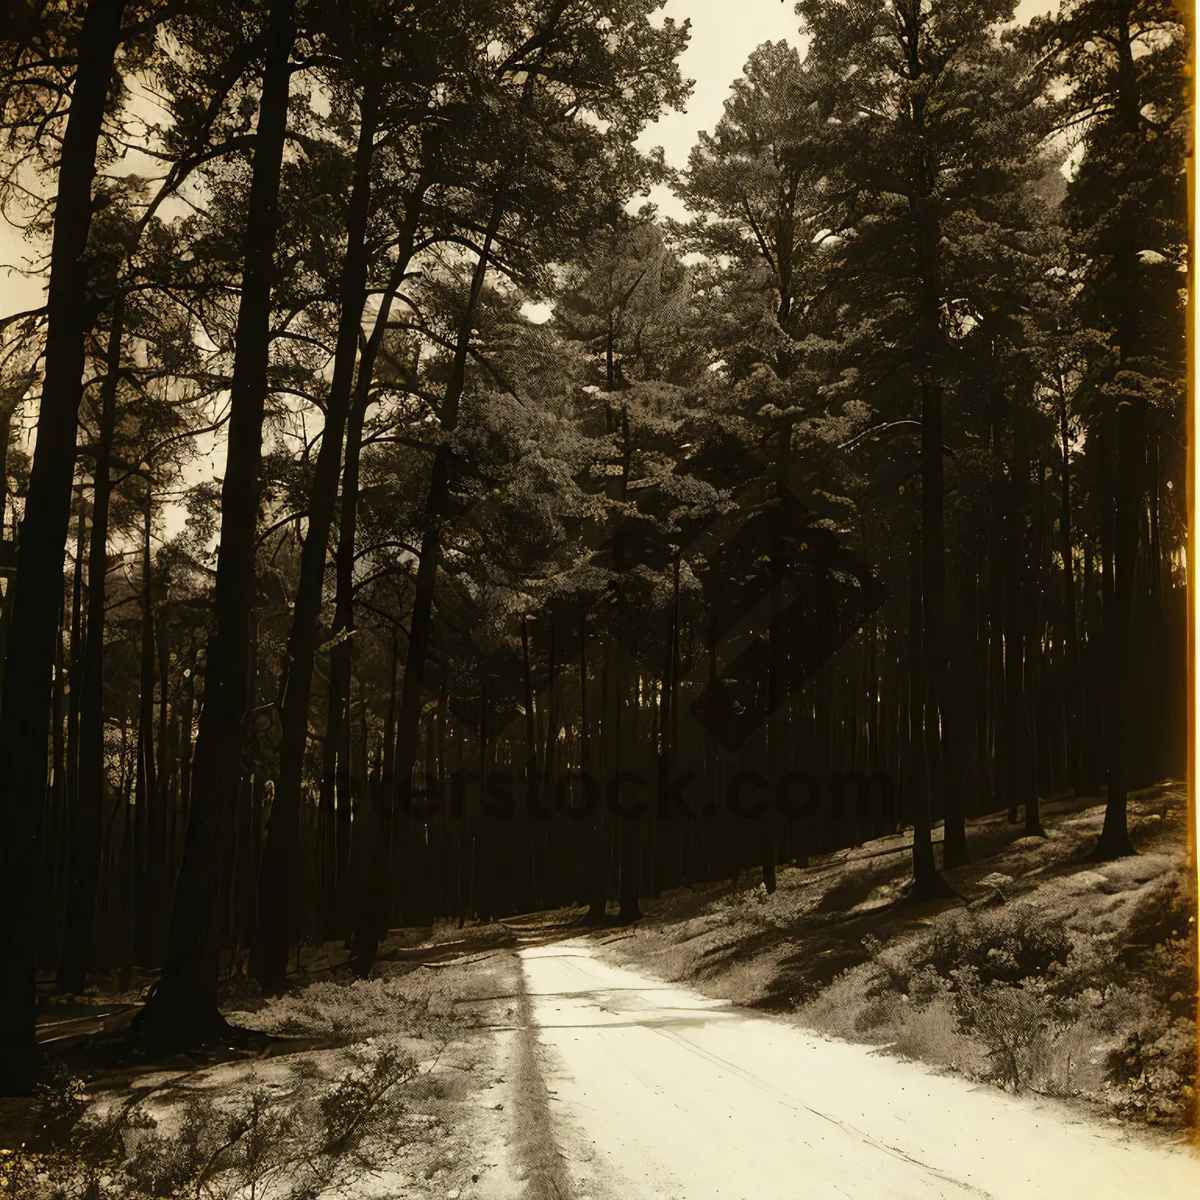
(403, 518)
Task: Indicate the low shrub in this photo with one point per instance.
(1018, 1024)
(1003, 945)
(1069, 1005)
(294, 1141)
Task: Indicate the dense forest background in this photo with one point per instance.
(418, 524)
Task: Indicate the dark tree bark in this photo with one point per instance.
(373, 916)
(55, 820)
(627, 754)
(596, 863)
(86, 844)
(187, 710)
(927, 881)
(75, 668)
(776, 722)
(623, 675)
(1131, 472)
(25, 710)
(147, 810)
(334, 794)
(1092, 683)
(1071, 705)
(959, 711)
(670, 756)
(1131, 436)
(183, 1005)
(372, 920)
(526, 888)
(8, 405)
(276, 880)
(1020, 745)
(168, 786)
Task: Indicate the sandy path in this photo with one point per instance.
(659, 1093)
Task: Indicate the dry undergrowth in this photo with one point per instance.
(393, 1111)
(1048, 974)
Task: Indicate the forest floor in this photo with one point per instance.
(1045, 973)
(1034, 1036)
(732, 1043)
(399, 1085)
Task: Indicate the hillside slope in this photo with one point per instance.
(1047, 973)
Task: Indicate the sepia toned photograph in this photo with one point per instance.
(595, 600)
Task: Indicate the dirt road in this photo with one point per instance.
(658, 1093)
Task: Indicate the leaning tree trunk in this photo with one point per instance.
(372, 920)
(183, 1005)
(335, 766)
(25, 711)
(276, 880)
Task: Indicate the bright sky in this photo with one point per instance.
(724, 33)
(723, 36)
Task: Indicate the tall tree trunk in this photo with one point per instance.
(370, 927)
(1019, 743)
(147, 813)
(168, 754)
(627, 757)
(183, 1005)
(75, 670)
(776, 721)
(276, 880)
(66, 749)
(596, 866)
(56, 820)
(526, 889)
(927, 882)
(187, 707)
(926, 879)
(25, 709)
(1091, 678)
(958, 713)
(8, 404)
(1131, 438)
(84, 869)
(1131, 471)
(334, 791)
(669, 755)
(1071, 713)
(373, 916)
